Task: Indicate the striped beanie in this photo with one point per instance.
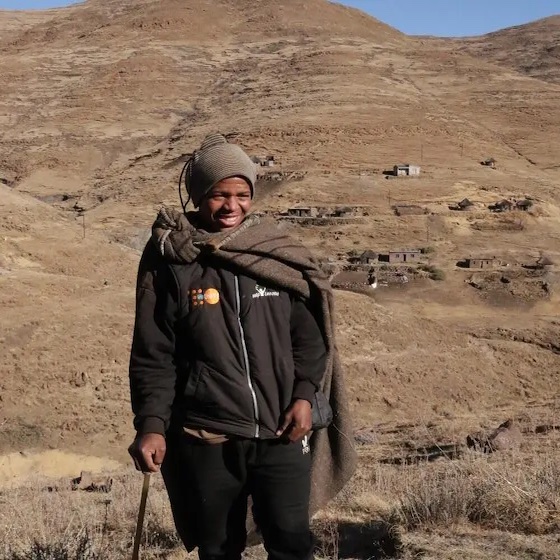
(215, 160)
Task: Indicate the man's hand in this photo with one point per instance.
(148, 451)
(297, 420)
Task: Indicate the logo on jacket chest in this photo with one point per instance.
(261, 291)
(199, 297)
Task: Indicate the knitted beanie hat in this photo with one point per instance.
(215, 160)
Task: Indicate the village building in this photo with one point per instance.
(502, 206)
(368, 257)
(465, 205)
(302, 212)
(481, 263)
(409, 210)
(405, 256)
(524, 205)
(405, 170)
(267, 161)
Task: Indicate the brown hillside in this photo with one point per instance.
(101, 102)
(532, 49)
(327, 83)
(204, 21)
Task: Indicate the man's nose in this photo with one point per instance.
(231, 204)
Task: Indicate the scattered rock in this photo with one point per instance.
(80, 379)
(506, 436)
(90, 483)
(546, 428)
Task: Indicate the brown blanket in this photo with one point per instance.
(258, 249)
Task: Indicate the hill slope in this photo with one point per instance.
(102, 101)
(318, 83)
(532, 49)
(203, 21)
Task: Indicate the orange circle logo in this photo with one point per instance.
(211, 296)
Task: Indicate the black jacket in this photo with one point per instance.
(216, 350)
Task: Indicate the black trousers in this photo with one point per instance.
(209, 486)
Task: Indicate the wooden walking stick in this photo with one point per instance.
(141, 513)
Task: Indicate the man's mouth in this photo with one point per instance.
(228, 220)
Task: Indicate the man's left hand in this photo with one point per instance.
(297, 420)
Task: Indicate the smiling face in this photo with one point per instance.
(226, 204)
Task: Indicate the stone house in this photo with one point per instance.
(490, 162)
(405, 170)
(405, 256)
(465, 204)
(302, 212)
(267, 161)
(368, 257)
(481, 263)
(502, 206)
(524, 205)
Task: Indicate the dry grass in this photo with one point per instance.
(512, 221)
(80, 548)
(40, 525)
(514, 493)
(382, 512)
(434, 272)
(498, 495)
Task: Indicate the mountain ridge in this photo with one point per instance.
(532, 49)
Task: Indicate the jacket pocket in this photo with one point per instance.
(218, 397)
(193, 381)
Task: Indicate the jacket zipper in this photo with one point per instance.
(246, 357)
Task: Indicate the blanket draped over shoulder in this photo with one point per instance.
(260, 250)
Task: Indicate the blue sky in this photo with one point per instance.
(33, 4)
(415, 17)
(455, 17)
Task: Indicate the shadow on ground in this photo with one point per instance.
(374, 540)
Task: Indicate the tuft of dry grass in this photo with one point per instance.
(40, 525)
(517, 492)
(502, 495)
(514, 494)
(79, 548)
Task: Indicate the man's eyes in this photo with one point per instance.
(216, 196)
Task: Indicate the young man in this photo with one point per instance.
(230, 345)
